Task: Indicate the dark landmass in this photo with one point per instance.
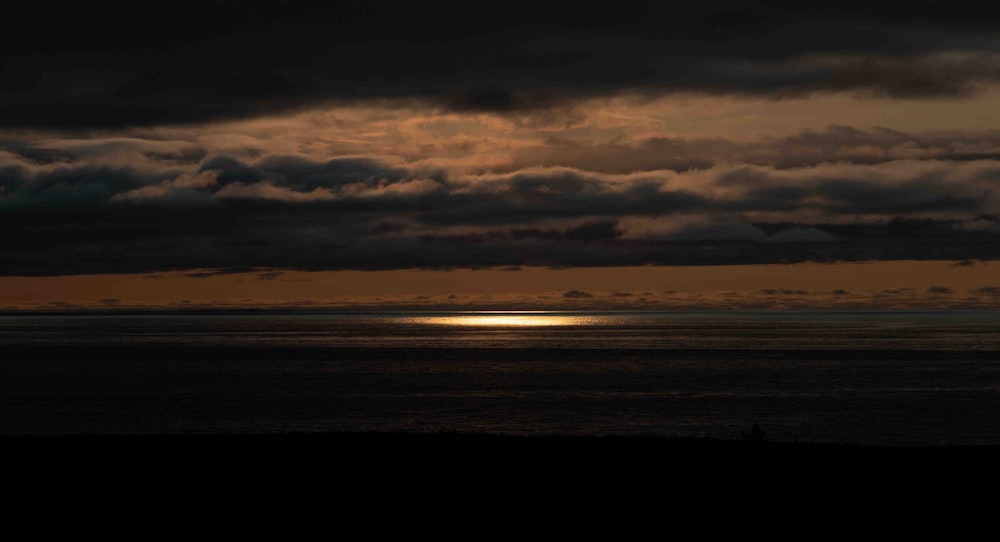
(453, 441)
(440, 480)
(403, 451)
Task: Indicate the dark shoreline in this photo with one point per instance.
(417, 470)
(415, 442)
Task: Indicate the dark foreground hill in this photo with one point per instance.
(475, 486)
(466, 456)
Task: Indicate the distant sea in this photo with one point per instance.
(884, 378)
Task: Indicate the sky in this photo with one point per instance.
(583, 155)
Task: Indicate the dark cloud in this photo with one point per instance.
(303, 175)
(832, 144)
(210, 60)
(850, 195)
(846, 144)
(800, 234)
(95, 213)
(783, 291)
(270, 275)
(940, 290)
(896, 291)
(217, 272)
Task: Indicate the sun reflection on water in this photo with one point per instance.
(504, 319)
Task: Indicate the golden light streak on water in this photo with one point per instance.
(506, 319)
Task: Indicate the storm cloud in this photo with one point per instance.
(73, 66)
(305, 135)
(809, 147)
(137, 212)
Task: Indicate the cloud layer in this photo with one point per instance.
(227, 59)
(350, 135)
(133, 204)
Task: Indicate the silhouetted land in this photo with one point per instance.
(445, 480)
(399, 452)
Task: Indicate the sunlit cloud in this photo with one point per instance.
(674, 135)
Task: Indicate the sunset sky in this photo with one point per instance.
(523, 155)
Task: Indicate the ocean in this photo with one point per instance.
(877, 378)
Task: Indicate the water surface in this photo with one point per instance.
(863, 377)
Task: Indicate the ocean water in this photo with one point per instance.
(891, 378)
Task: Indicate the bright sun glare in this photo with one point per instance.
(503, 319)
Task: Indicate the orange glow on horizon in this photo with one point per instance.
(894, 284)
